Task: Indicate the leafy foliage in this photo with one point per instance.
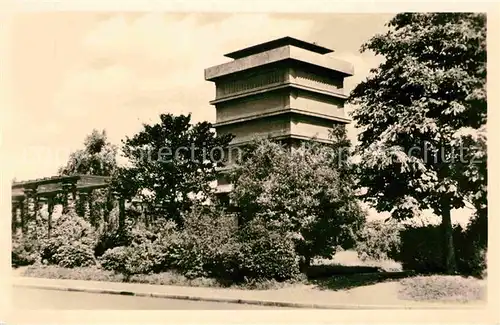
(69, 230)
(141, 250)
(379, 240)
(98, 157)
(472, 245)
(76, 254)
(305, 190)
(24, 252)
(26, 247)
(421, 249)
(170, 164)
(115, 259)
(209, 245)
(417, 112)
(111, 237)
(71, 243)
(267, 252)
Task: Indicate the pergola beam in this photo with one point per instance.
(28, 196)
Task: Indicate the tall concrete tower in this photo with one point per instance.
(285, 89)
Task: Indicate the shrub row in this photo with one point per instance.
(420, 248)
(208, 245)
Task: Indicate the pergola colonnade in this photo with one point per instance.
(73, 192)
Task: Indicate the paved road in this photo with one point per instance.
(31, 298)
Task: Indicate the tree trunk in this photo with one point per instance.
(449, 261)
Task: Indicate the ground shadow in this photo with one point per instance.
(339, 277)
(322, 271)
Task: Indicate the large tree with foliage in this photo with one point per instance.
(171, 164)
(421, 114)
(306, 191)
(98, 157)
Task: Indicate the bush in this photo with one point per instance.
(69, 230)
(472, 260)
(471, 246)
(24, 252)
(112, 237)
(115, 259)
(267, 252)
(421, 250)
(139, 258)
(211, 245)
(302, 189)
(167, 251)
(26, 247)
(71, 243)
(149, 249)
(207, 246)
(74, 255)
(379, 240)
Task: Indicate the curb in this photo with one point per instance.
(238, 301)
(181, 297)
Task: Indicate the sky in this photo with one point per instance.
(73, 72)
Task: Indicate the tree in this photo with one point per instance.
(98, 157)
(171, 164)
(414, 111)
(305, 191)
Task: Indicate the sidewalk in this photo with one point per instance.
(378, 296)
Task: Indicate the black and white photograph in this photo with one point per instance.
(247, 160)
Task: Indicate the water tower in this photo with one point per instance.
(286, 89)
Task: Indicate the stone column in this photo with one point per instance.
(110, 203)
(50, 209)
(22, 215)
(69, 195)
(39, 202)
(19, 216)
(93, 215)
(31, 205)
(83, 203)
(30, 194)
(121, 209)
(14, 217)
